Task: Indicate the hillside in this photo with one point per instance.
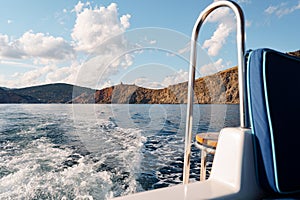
(8, 96)
(50, 93)
(219, 88)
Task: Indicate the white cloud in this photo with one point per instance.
(178, 77)
(99, 31)
(127, 60)
(94, 26)
(185, 49)
(220, 14)
(148, 83)
(33, 77)
(42, 75)
(9, 49)
(97, 70)
(125, 21)
(53, 59)
(148, 41)
(212, 68)
(45, 46)
(78, 8)
(226, 25)
(37, 46)
(18, 64)
(181, 51)
(216, 42)
(270, 9)
(282, 9)
(67, 74)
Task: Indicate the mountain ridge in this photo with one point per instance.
(207, 90)
(218, 88)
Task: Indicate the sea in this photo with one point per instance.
(97, 151)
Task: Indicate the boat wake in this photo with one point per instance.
(46, 154)
(48, 160)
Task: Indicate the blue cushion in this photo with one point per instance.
(274, 104)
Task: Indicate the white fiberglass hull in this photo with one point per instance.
(233, 174)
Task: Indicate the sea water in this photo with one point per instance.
(56, 151)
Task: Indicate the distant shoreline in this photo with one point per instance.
(219, 88)
(111, 104)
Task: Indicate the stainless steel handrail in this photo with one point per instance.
(244, 121)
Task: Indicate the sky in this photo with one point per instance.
(101, 43)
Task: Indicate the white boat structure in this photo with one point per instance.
(255, 160)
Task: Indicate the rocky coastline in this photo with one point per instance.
(219, 88)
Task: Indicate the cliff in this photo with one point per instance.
(219, 88)
(295, 53)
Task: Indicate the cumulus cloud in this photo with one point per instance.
(282, 9)
(125, 21)
(93, 35)
(226, 24)
(35, 45)
(42, 75)
(94, 26)
(29, 78)
(66, 74)
(78, 8)
(9, 49)
(177, 77)
(45, 46)
(98, 31)
(216, 42)
(33, 77)
(212, 68)
(97, 70)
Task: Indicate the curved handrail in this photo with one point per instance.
(241, 74)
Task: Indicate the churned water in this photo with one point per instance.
(56, 151)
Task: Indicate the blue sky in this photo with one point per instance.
(75, 41)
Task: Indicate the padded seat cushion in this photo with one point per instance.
(273, 87)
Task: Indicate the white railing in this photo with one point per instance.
(244, 121)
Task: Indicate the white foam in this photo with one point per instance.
(29, 180)
(97, 158)
(38, 170)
